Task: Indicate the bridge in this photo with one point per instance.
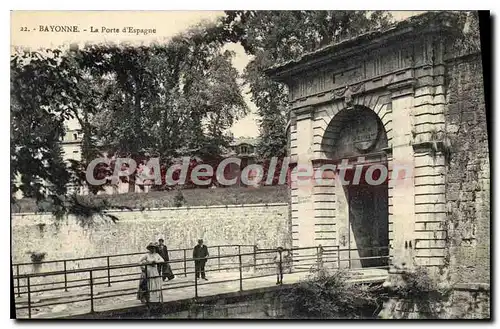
(77, 290)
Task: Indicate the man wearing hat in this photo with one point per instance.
(278, 260)
(200, 254)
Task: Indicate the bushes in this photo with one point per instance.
(328, 296)
(192, 197)
(419, 292)
(331, 296)
(36, 259)
(179, 199)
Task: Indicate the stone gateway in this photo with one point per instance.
(384, 96)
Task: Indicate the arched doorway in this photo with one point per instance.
(356, 138)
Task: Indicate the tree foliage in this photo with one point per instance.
(469, 41)
(277, 36)
(171, 99)
(176, 98)
(45, 91)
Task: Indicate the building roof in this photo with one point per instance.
(245, 140)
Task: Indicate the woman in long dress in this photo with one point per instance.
(150, 278)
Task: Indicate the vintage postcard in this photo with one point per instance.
(250, 164)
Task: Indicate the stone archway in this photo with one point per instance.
(399, 75)
(354, 131)
(357, 135)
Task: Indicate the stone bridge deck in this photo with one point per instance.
(180, 289)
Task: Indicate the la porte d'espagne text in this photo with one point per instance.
(93, 29)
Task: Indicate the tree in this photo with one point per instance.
(177, 97)
(44, 93)
(46, 90)
(174, 99)
(278, 36)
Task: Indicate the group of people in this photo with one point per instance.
(155, 269)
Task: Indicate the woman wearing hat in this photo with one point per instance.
(150, 283)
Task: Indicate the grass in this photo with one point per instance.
(161, 199)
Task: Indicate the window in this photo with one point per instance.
(75, 137)
(244, 149)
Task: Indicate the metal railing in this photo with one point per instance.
(259, 263)
(106, 260)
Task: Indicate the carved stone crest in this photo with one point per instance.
(363, 132)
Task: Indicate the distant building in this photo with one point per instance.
(243, 148)
(71, 146)
(72, 141)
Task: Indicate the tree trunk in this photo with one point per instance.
(135, 145)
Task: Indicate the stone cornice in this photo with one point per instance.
(49, 220)
(436, 146)
(443, 148)
(419, 76)
(387, 151)
(463, 58)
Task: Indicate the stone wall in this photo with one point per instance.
(265, 225)
(468, 172)
(261, 303)
(463, 302)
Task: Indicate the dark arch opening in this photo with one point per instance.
(352, 133)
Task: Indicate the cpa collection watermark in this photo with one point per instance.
(277, 171)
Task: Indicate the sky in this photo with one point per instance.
(166, 23)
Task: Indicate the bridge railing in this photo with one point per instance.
(89, 289)
(68, 264)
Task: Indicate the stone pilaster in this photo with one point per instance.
(303, 220)
(325, 209)
(402, 190)
(430, 171)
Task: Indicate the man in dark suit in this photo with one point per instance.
(163, 269)
(200, 254)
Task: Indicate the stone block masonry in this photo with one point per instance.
(400, 96)
(464, 301)
(265, 225)
(468, 172)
